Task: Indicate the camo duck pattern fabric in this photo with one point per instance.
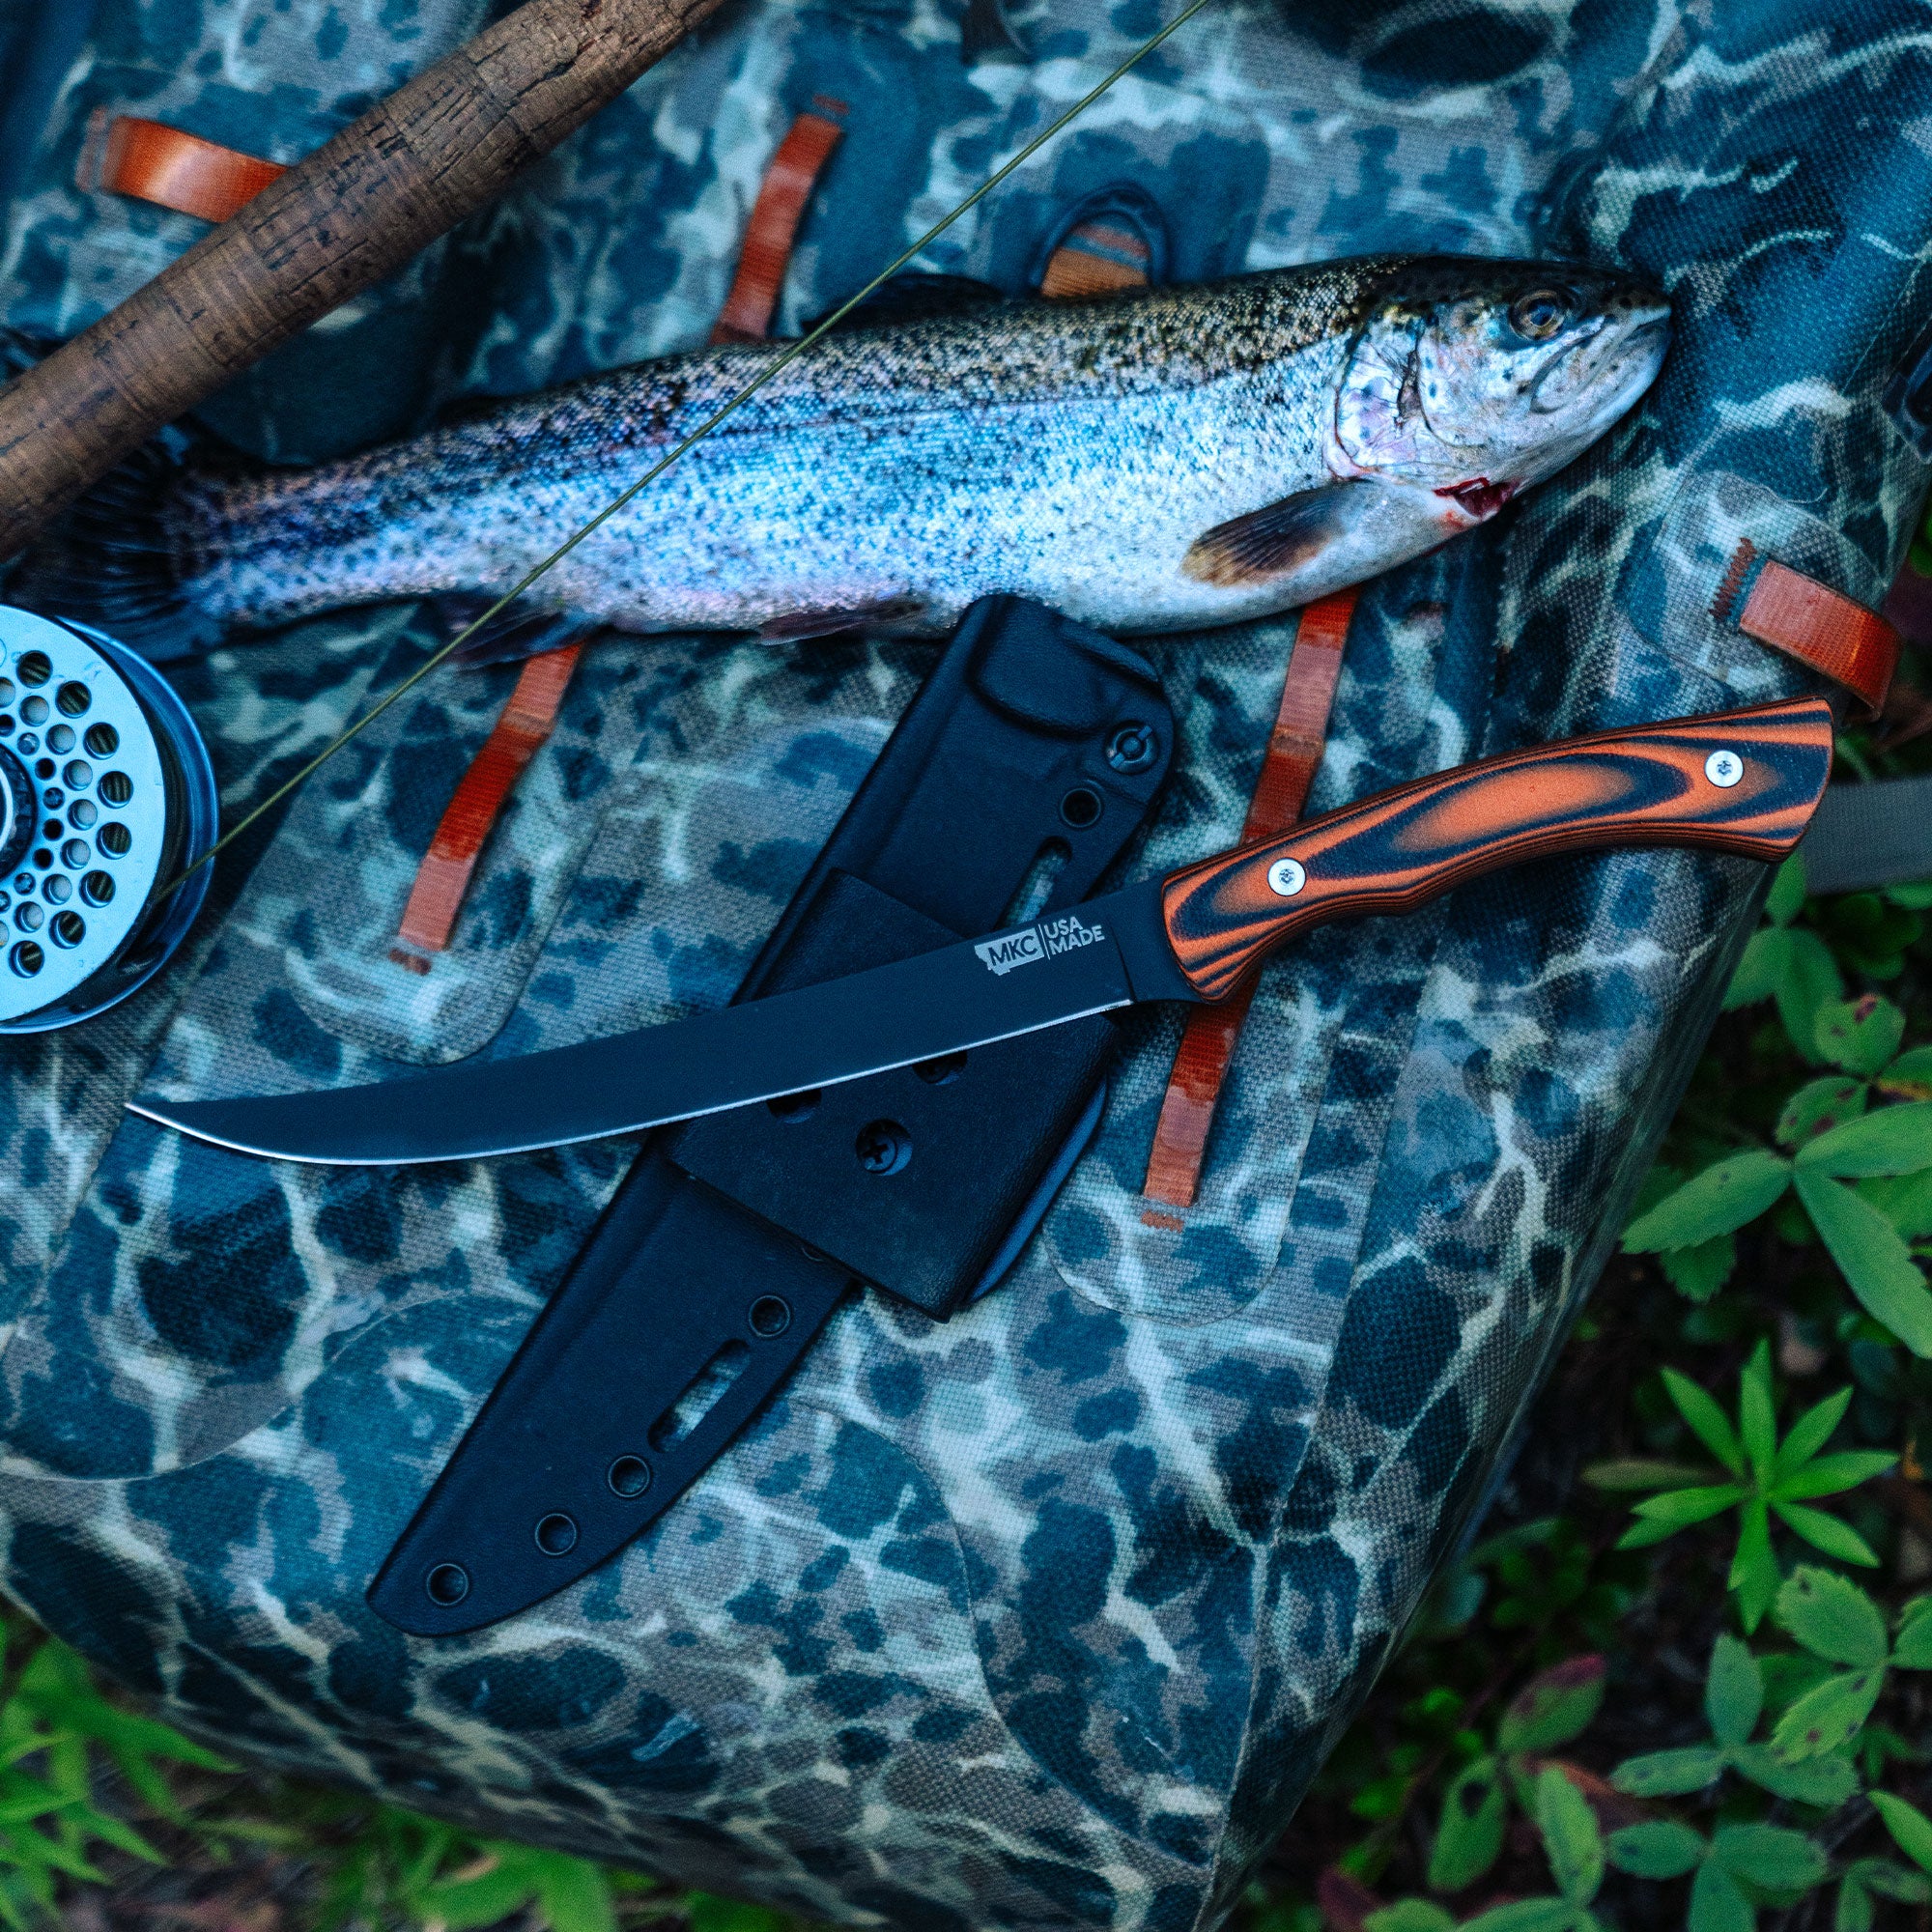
(1042, 1617)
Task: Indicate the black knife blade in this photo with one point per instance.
(1743, 782)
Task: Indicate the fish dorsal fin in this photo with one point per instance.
(1272, 541)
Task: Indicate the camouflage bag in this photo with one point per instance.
(1044, 1615)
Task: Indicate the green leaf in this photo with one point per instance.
(1634, 1472)
(1717, 1202)
(1469, 1839)
(1667, 1774)
(1825, 1781)
(1827, 1476)
(1865, 1876)
(1895, 1140)
(1553, 1706)
(1808, 979)
(573, 1894)
(1409, 1915)
(1818, 1105)
(1764, 966)
(1677, 1509)
(1708, 1421)
(1910, 1828)
(1767, 1857)
(1827, 1533)
(1859, 1034)
(1570, 1837)
(1876, 1264)
(1913, 1648)
(1827, 1717)
(1698, 1273)
(1659, 1849)
(1733, 1691)
(1911, 1069)
(1905, 1200)
(1811, 1432)
(1786, 899)
(1525, 1915)
(1754, 1573)
(1758, 1414)
(1831, 1617)
(1717, 1905)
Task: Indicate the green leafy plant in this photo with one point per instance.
(1832, 1141)
(1733, 1704)
(1552, 1708)
(1758, 1475)
(1840, 1624)
(1736, 1869)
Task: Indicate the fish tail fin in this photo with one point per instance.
(115, 558)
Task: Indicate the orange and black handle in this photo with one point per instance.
(1742, 781)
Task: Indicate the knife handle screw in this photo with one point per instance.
(1723, 768)
(883, 1147)
(770, 1316)
(446, 1584)
(1286, 878)
(1132, 749)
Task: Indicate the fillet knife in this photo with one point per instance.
(1741, 781)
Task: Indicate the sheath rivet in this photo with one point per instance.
(770, 1316)
(1723, 768)
(1132, 749)
(557, 1534)
(447, 1584)
(629, 1476)
(1286, 878)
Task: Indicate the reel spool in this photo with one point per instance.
(106, 794)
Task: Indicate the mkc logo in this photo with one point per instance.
(1037, 942)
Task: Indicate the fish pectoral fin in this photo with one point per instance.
(1274, 540)
(792, 626)
(519, 630)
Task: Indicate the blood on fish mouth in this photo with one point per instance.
(1480, 496)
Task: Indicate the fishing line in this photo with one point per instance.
(783, 361)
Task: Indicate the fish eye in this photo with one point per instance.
(1537, 316)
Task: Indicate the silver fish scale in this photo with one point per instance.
(1071, 451)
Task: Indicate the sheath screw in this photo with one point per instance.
(1132, 749)
(1286, 878)
(883, 1148)
(1723, 768)
(770, 1316)
(447, 1584)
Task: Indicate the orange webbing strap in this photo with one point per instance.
(152, 161)
(1095, 257)
(443, 877)
(1287, 770)
(769, 235)
(1836, 635)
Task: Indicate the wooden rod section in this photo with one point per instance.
(351, 214)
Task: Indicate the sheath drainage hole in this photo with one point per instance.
(117, 787)
(770, 1316)
(883, 1148)
(115, 839)
(26, 958)
(35, 667)
(447, 1584)
(943, 1072)
(629, 1476)
(73, 698)
(1081, 807)
(557, 1534)
(705, 1390)
(792, 1108)
(103, 740)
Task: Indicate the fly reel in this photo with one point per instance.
(106, 794)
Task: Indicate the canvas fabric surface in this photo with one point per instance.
(1042, 1617)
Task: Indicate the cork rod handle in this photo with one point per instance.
(351, 214)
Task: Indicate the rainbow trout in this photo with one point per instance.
(1149, 461)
